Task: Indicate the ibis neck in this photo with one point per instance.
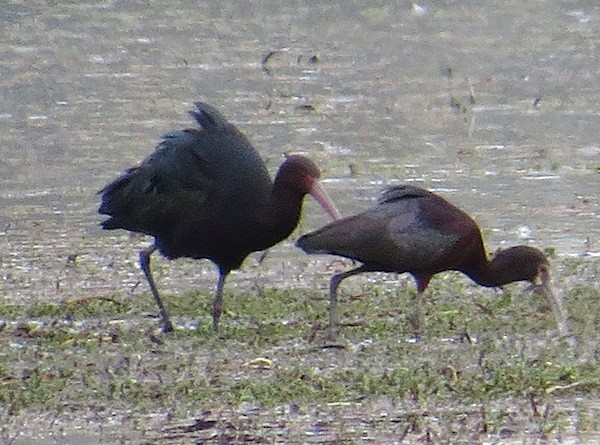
(277, 217)
(286, 207)
(497, 272)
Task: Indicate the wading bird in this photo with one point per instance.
(413, 230)
(206, 193)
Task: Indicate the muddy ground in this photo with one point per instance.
(493, 105)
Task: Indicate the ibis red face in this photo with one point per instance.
(302, 174)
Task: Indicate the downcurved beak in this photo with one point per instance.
(318, 192)
(541, 285)
(556, 301)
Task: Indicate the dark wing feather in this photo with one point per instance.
(151, 197)
(192, 174)
(209, 118)
(402, 192)
(393, 236)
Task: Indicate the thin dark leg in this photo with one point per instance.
(417, 318)
(418, 315)
(145, 265)
(333, 300)
(218, 301)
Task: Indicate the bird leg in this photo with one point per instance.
(333, 301)
(422, 283)
(417, 318)
(218, 301)
(336, 279)
(145, 265)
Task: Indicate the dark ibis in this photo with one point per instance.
(413, 230)
(206, 193)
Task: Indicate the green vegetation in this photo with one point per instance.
(489, 364)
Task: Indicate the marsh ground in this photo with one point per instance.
(493, 105)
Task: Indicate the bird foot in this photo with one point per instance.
(168, 327)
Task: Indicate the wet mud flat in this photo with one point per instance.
(493, 106)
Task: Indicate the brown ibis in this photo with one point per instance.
(413, 230)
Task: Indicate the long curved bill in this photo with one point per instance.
(556, 302)
(318, 192)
